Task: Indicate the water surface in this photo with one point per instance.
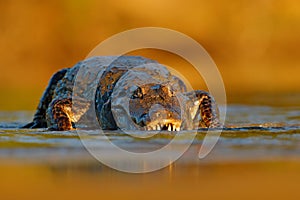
(251, 133)
(256, 155)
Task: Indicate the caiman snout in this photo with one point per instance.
(155, 107)
(159, 118)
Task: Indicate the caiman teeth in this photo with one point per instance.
(166, 127)
(158, 127)
(174, 128)
(170, 127)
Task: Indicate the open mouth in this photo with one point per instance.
(165, 125)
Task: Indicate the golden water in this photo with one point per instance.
(259, 149)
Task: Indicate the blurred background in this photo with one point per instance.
(254, 43)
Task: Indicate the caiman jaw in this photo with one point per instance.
(167, 125)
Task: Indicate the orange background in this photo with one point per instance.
(269, 180)
(255, 43)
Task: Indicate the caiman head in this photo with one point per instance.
(155, 107)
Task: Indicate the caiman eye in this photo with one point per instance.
(137, 94)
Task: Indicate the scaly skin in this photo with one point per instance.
(152, 106)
